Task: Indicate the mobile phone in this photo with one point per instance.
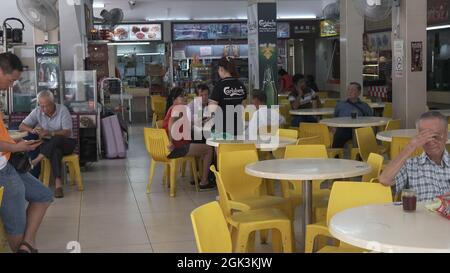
(32, 141)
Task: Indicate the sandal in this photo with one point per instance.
(27, 245)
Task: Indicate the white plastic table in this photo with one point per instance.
(376, 105)
(307, 170)
(387, 228)
(312, 112)
(445, 112)
(360, 122)
(260, 145)
(17, 135)
(387, 136)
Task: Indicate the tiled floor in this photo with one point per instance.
(114, 214)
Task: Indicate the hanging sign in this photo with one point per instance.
(416, 56)
(399, 58)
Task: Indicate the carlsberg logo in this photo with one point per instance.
(46, 50)
(267, 24)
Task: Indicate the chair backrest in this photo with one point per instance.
(211, 229)
(398, 144)
(367, 142)
(1, 195)
(315, 129)
(224, 148)
(238, 184)
(224, 200)
(394, 124)
(376, 162)
(346, 195)
(306, 151)
(388, 111)
(288, 133)
(284, 111)
(158, 104)
(322, 95)
(159, 124)
(157, 142)
(330, 103)
(314, 140)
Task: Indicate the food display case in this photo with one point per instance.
(24, 93)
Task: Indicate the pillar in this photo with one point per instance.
(409, 93)
(351, 42)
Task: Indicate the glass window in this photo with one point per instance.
(438, 66)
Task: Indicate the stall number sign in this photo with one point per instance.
(399, 58)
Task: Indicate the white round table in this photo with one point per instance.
(387, 136)
(312, 112)
(387, 228)
(445, 112)
(360, 122)
(260, 144)
(376, 105)
(17, 135)
(307, 170)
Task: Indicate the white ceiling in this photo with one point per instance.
(207, 9)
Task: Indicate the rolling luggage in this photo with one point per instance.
(113, 138)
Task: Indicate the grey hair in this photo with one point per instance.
(433, 115)
(46, 94)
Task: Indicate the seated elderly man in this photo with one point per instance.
(53, 123)
(345, 109)
(264, 116)
(429, 174)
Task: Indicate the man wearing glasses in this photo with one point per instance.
(429, 174)
(53, 123)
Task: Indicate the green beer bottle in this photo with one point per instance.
(269, 87)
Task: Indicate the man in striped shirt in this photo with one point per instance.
(428, 174)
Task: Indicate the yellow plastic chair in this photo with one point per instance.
(159, 124)
(293, 189)
(244, 224)
(388, 111)
(158, 105)
(72, 162)
(330, 103)
(211, 229)
(284, 111)
(367, 144)
(314, 140)
(376, 162)
(4, 247)
(398, 144)
(157, 142)
(286, 133)
(322, 95)
(321, 130)
(390, 126)
(230, 147)
(346, 195)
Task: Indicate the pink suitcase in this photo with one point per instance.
(113, 138)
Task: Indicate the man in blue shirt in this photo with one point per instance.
(345, 109)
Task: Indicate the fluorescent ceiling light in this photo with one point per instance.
(438, 27)
(138, 43)
(306, 16)
(98, 5)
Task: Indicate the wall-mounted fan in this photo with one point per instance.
(374, 10)
(110, 18)
(42, 14)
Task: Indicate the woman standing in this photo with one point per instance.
(229, 91)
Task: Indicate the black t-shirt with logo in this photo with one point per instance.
(229, 91)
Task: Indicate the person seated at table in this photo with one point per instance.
(199, 105)
(302, 97)
(53, 123)
(353, 104)
(21, 223)
(286, 82)
(264, 116)
(311, 83)
(428, 174)
(179, 146)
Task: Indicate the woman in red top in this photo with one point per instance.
(287, 84)
(180, 143)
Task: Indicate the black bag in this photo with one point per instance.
(21, 162)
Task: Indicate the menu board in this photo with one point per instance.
(283, 30)
(438, 12)
(205, 31)
(137, 32)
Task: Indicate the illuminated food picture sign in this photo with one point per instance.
(137, 32)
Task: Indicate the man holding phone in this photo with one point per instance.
(53, 124)
(429, 174)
